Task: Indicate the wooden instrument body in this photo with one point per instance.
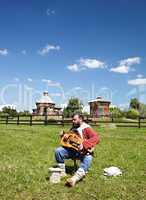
(71, 140)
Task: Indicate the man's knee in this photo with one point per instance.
(89, 158)
(58, 150)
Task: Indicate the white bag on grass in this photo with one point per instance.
(112, 171)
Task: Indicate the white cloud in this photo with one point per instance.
(51, 83)
(91, 63)
(86, 63)
(73, 67)
(47, 49)
(137, 81)
(121, 69)
(3, 52)
(130, 61)
(124, 66)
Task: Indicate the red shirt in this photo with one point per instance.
(90, 138)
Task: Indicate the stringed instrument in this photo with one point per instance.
(72, 140)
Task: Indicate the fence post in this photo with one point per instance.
(18, 120)
(7, 118)
(63, 120)
(139, 122)
(46, 120)
(30, 120)
(112, 118)
(87, 119)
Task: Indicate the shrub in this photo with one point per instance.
(132, 113)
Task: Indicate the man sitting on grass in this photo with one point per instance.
(85, 153)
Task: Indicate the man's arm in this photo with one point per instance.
(91, 138)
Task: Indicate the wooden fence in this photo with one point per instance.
(61, 120)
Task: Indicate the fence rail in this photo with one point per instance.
(61, 120)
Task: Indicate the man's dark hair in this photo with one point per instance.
(79, 115)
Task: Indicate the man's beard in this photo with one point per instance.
(76, 125)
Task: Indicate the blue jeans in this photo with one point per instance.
(62, 153)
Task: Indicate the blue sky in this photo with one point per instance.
(84, 48)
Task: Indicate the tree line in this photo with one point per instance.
(74, 105)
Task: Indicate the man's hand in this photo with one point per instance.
(81, 147)
(61, 133)
(64, 135)
(91, 150)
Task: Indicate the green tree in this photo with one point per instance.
(142, 109)
(132, 113)
(10, 111)
(74, 105)
(134, 104)
(24, 113)
(116, 112)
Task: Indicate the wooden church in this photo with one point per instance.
(99, 107)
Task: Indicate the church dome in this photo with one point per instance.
(45, 98)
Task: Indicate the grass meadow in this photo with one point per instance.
(26, 153)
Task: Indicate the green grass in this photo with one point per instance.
(27, 152)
